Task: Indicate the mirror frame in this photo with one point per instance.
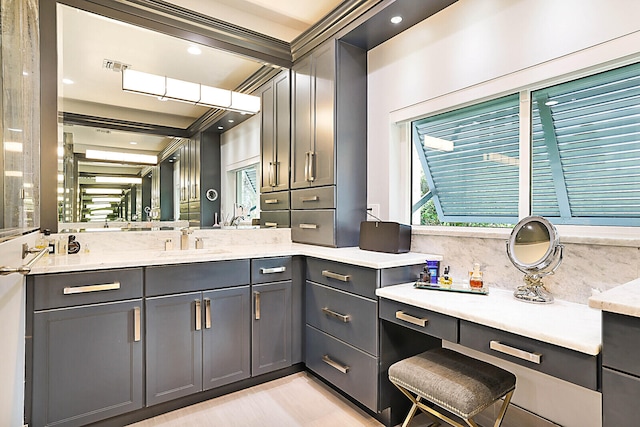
(533, 290)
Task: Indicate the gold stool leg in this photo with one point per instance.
(503, 409)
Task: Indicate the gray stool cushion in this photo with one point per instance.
(462, 385)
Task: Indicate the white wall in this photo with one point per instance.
(474, 50)
(12, 333)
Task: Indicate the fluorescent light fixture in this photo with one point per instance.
(105, 199)
(103, 191)
(14, 174)
(117, 180)
(101, 212)
(437, 143)
(179, 90)
(500, 158)
(117, 156)
(14, 147)
(93, 206)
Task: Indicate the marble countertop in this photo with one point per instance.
(623, 299)
(121, 259)
(570, 325)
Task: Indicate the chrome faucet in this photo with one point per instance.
(184, 238)
(238, 214)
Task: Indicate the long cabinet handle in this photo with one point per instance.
(271, 224)
(419, 321)
(306, 166)
(198, 315)
(340, 367)
(308, 226)
(71, 290)
(256, 313)
(207, 313)
(271, 201)
(273, 270)
(332, 275)
(516, 352)
(343, 317)
(312, 168)
(136, 323)
(309, 199)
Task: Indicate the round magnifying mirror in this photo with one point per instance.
(534, 249)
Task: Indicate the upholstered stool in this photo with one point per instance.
(460, 384)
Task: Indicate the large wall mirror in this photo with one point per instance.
(122, 156)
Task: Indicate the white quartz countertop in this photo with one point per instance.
(122, 259)
(623, 299)
(570, 325)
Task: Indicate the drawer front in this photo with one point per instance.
(277, 201)
(276, 269)
(429, 322)
(314, 198)
(351, 278)
(351, 370)
(619, 351)
(80, 288)
(275, 219)
(349, 317)
(314, 227)
(575, 367)
(171, 279)
(620, 397)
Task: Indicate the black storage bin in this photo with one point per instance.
(381, 236)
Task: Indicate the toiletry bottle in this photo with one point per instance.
(41, 242)
(445, 279)
(62, 246)
(475, 277)
(51, 242)
(425, 275)
(434, 270)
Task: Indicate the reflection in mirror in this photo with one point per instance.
(534, 249)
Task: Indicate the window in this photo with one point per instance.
(585, 156)
(247, 190)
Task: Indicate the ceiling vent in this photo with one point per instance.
(116, 66)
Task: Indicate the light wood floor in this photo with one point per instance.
(295, 400)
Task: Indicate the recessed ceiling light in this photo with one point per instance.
(230, 120)
(220, 127)
(194, 50)
(133, 143)
(67, 81)
(396, 19)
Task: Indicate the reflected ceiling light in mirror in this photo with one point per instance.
(179, 90)
(105, 199)
(103, 191)
(437, 143)
(396, 19)
(14, 147)
(117, 180)
(117, 156)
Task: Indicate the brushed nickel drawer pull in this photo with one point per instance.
(308, 226)
(198, 315)
(332, 275)
(271, 201)
(136, 324)
(257, 307)
(309, 199)
(418, 321)
(342, 368)
(273, 270)
(344, 317)
(271, 224)
(207, 313)
(71, 290)
(516, 352)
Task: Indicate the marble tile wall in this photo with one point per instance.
(586, 268)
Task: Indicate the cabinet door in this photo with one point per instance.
(226, 336)
(267, 152)
(271, 338)
(302, 123)
(282, 122)
(87, 363)
(174, 346)
(323, 159)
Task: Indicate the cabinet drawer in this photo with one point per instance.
(619, 351)
(276, 269)
(620, 397)
(351, 370)
(72, 289)
(429, 322)
(348, 317)
(314, 227)
(351, 278)
(276, 201)
(314, 198)
(275, 219)
(573, 366)
(171, 279)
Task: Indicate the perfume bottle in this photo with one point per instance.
(475, 277)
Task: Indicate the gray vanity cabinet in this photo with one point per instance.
(620, 370)
(87, 346)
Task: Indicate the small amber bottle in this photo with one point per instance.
(475, 277)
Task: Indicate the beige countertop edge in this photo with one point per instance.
(124, 259)
(565, 324)
(623, 299)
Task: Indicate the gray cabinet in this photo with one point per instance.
(620, 372)
(329, 144)
(275, 133)
(87, 346)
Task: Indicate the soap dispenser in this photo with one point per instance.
(475, 277)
